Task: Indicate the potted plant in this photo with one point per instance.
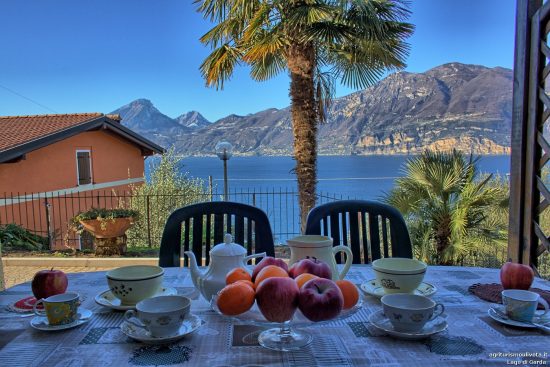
(108, 226)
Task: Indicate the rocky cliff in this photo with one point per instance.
(468, 107)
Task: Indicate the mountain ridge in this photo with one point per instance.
(454, 105)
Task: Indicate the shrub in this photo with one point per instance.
(17, 238)
(168, 189)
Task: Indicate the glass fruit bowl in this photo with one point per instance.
(283, 336)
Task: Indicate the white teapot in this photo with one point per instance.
(224, 257)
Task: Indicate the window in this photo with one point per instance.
(83, 167)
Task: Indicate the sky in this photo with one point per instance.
(66, 56)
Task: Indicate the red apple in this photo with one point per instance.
(320, 299)
(48, 283)
(277, 298)
(311, 265)
(268, 260)
(516, 276)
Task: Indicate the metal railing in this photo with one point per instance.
(49, 215)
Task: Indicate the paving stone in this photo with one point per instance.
(14, 275)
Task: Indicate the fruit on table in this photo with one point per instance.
(311, 265)
(235, 298)
(237, 274)
(320, 299)
(268, 260)
(516, 276)
(303, 278)
(270, 271)
(46, 283)
(349, 291)
(247, 282)
(277, 298)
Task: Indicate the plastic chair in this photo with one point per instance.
(204, 225)
(370, 228)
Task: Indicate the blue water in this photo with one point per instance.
(340, 177)
(362, 177)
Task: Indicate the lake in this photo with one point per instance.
(364, 177)
(340, 177)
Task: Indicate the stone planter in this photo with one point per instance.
(109, 234)
(108, 228)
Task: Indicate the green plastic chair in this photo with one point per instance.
(371, 229)
(204, 226)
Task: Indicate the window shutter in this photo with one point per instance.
(84, 168)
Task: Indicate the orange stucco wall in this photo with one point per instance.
(54, 167)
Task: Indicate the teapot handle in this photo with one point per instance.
(349, 259)
(250, 257)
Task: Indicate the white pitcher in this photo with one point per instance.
(321, 248)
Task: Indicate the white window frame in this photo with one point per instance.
(91, 167)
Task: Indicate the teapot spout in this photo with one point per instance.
(196, 274)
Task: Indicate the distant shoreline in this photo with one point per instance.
(329, 155)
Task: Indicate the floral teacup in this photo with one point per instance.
(60, 309)
(409, 312)
(161, 316)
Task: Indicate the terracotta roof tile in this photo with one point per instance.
(17, 130)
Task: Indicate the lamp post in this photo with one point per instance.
(224, 151)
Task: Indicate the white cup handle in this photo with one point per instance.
(543, 302)
(131, 317)
(349, 259)
(36, 311)
(437, 313)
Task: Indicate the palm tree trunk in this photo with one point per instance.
(443, 241)
(301, 64)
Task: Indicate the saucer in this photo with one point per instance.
(495, 316)
(107, 299)
(41, 322)
(190, 324)
(381, 322)
(373, 288)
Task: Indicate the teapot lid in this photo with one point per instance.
(228, 248)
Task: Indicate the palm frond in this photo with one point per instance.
(324, 90)
(219, 65)
(267, 67)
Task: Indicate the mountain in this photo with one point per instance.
(192, 119)
(454, 105)
(143, 117)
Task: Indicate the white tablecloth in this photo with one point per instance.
(472, 338)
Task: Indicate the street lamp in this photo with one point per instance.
(224, 151)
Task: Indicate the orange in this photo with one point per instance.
(247, 282)
(350, 293)
(235, 299)
(237, 274)
(304, 277)
(270, 271)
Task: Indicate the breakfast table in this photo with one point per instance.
(472, 338)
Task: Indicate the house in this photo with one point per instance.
(46, 158)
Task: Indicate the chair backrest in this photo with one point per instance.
(204, 225)
(372, 230)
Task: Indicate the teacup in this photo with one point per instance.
(410, 312)
(520, 305)
(134, 283)
(399, 275)
(60, 309)
(161, 316)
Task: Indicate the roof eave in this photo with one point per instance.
(146, 145)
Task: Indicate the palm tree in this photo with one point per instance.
(318, 42)
(450, 209)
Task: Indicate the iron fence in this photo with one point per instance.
(49, 215)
